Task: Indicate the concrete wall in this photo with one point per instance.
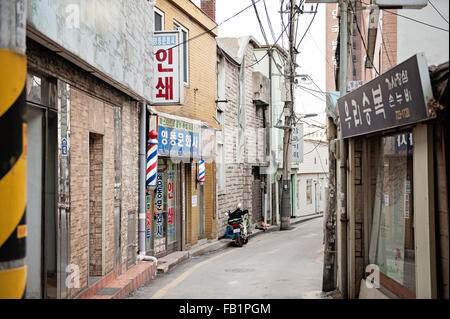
(113, 37)
(318, 200)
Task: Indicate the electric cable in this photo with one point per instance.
(429, 1)
(409, 18)
(362, 38)
(215, 27)
(307, 29)
(269, 22)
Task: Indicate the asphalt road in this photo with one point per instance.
(277, 265)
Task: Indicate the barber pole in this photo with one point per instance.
(201, 171)
(152, 159)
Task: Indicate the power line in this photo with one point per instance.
(312, 20)
(216, 26)
(260, 24)
(268, 21)
(415, 20)
(429, 1)
(271, 47)
(307, 91)
(362, 38)
(265, 39)
(409, 18)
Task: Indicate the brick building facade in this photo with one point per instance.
(241, 141)
(196, 205)
(85, 113)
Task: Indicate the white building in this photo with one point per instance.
(312, 176)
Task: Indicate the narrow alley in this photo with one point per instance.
(275, 265)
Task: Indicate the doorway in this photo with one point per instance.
(41, 202)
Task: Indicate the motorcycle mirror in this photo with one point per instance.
(226, 213)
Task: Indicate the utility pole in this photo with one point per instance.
(342, 162)
(288, 116)
(13, 158)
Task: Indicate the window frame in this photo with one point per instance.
(179, 26)
(161, 13)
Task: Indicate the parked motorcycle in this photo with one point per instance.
(238, 226)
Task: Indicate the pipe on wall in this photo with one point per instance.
(142, 187)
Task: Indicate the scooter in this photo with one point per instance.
(238, 225)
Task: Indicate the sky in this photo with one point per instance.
(311, 59)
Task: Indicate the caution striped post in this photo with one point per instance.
(13, 163)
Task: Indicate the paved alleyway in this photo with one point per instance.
(285, 264)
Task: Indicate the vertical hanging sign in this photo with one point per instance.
(168, 86)
(159, 240)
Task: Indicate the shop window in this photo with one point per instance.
(392, 235)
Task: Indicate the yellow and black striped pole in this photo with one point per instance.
(13, 71)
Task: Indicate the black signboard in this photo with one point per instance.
(395, 98)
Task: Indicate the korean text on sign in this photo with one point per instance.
(166, 85)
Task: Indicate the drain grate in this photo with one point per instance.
(107, 291)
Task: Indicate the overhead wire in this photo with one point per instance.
(362, 38)
(260, 24)
(269, 49)
(406, 17)
(307, 29)
(215, 27)
(268, 21)
(442, 16)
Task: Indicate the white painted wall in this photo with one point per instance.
(314, 168)
(318, 200)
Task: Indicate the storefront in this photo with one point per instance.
(175, 205)
(389, 226)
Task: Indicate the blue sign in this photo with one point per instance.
(177, 142)
(64, 146)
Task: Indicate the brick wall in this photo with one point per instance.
(209, 7)
(95, 203)
(92, 110)
(200, 93)
(89, 114)
(389, 51)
